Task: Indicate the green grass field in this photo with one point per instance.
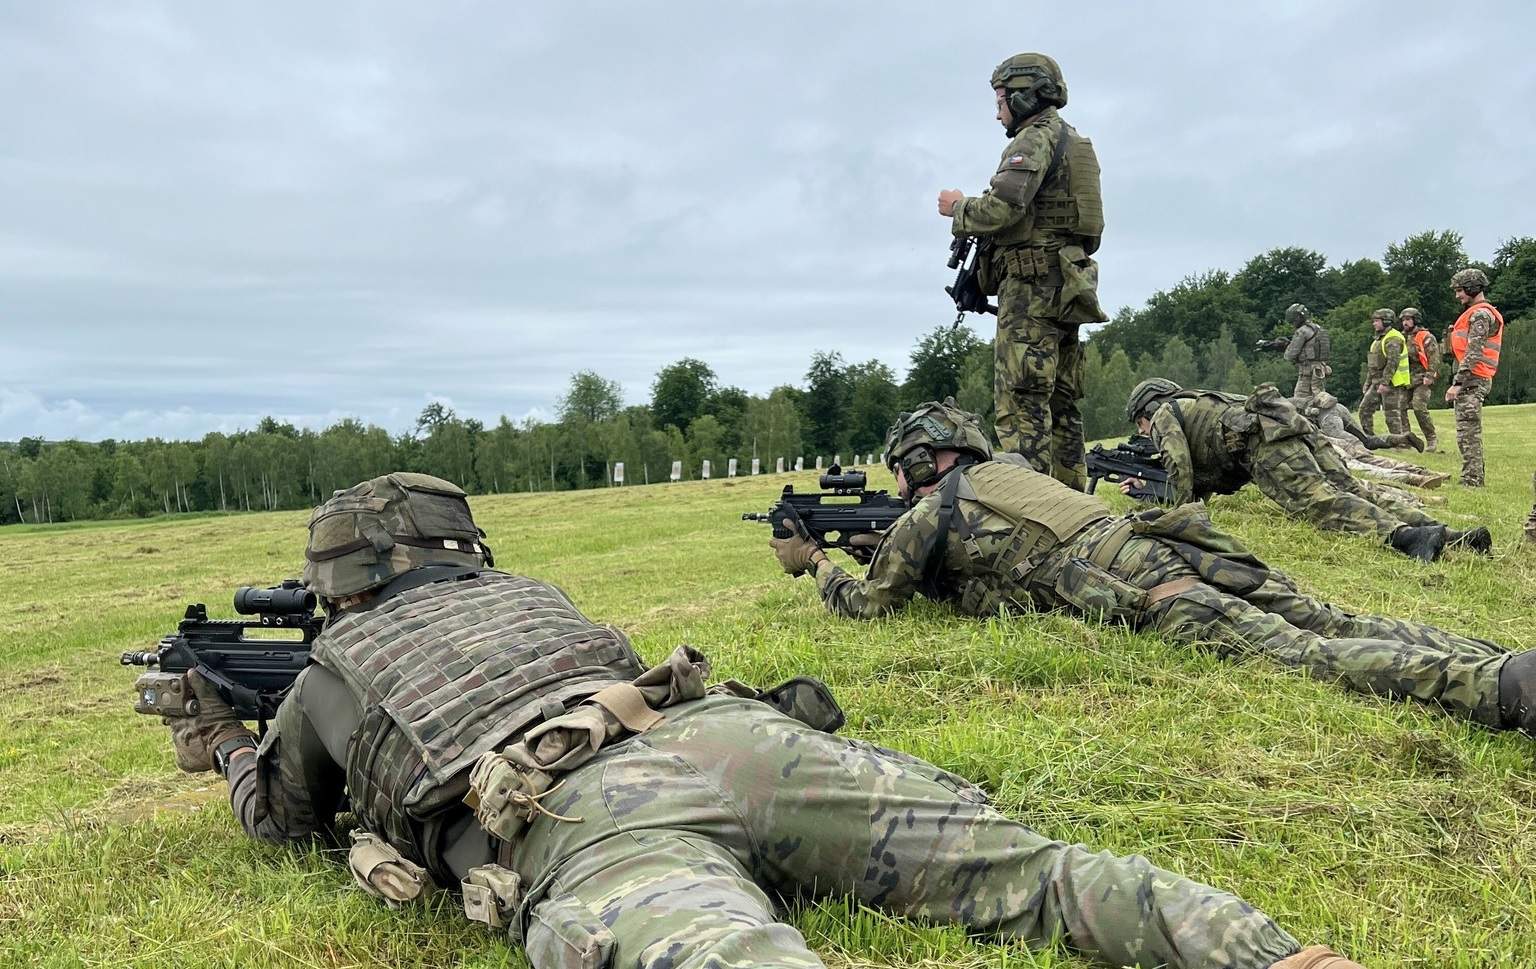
(1387, 830)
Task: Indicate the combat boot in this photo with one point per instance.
(1517, 692)
(1407, 439)
(1433, 479)
(1422, 542)
(1375, 442)
(1316, 957)
(1478, 539)
(1432, 445)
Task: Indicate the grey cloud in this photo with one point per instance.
(213, 212)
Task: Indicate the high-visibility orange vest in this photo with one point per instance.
(1419, 336)
(1488, 364)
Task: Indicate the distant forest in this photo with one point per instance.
(1201, 332)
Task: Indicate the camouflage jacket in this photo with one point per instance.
(1020, 175)
(1304, 347)
(1375, 362)
(1201, 452)
(973, 535)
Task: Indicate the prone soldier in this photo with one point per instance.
(989, 534)
(491, 739)
(1214, 443)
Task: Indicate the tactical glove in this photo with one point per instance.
(795, 552)
(196, 736)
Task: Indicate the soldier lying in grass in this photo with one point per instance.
(490, 739)
(991, 534)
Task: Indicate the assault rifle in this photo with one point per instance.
(844, 508)
(1137, 458)
(251, 674)
(1278, 343)
(966, 289)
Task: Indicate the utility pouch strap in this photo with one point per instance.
(628, 706)
(1170, 589)
(1110, 545)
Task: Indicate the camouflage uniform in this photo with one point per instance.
(659, 825)
(1215, 443)
(1370, 397)
(1343, 433)
(1310, 351)
(1424, 370)
(1171, 571)
(1470, 397)
(1041, 221)
(1394, 403)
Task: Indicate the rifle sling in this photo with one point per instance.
(947, 521)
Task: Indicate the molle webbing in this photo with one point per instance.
(1042, 506)
(448, 671)
(1072, 205)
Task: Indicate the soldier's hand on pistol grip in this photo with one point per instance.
(1129, 484)
(797, 553)
(863, 550)
(197, 735)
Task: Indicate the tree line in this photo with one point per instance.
(1201, 332)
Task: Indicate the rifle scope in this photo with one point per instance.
(836, 479)
(288, 599)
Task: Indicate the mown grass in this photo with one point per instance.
(1389, 831)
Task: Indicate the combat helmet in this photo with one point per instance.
(1410, 313)
(1297, 314)
(1033, 82)
(913, 440)
(1144, 394)
(366, 535)
(1470, 280)
(1386, 315)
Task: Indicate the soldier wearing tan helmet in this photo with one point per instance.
(1039, 223)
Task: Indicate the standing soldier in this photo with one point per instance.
(1392, 385)
(1039, 223)
(1375, 369)
(1423, 371)
(1475, 340)
(1310, 350)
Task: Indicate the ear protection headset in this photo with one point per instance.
(920, 466)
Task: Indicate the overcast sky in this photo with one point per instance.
(210, 211)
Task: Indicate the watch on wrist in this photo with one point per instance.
(223, 752)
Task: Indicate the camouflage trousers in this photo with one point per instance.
(1418, 404)
(1370, 403)
(1368, 654)
(1039, 381)
(1469, 429)
(1312, 482)
(694, 834)
(1311, 380)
